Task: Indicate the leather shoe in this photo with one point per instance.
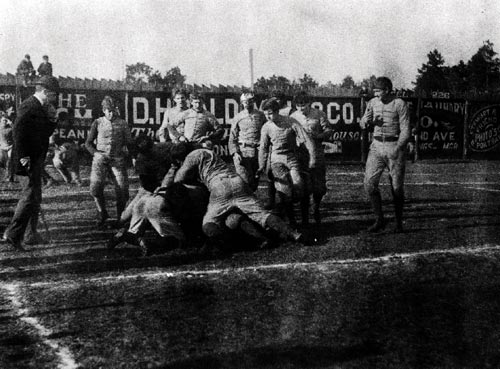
(35, 240)
(15, 245)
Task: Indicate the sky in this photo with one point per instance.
(210, 40)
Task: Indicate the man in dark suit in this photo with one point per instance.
(32, 130)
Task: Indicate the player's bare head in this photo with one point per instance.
(278, 95)
(195, 96)
(179, 151)
(45, 57)
(247, 99)
(179, 96)
(245, 96)
(179, 92)
(270, 105)
(383, 83)
(196, 100)
(108, 103)
(302, 99)
(109, 107)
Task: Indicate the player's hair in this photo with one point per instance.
(108, 103)
(195, 96)
(383, 83)
(270, 104)
(301, 98)
(179, 91)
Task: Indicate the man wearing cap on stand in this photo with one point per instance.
(390, 117)
(32, 130)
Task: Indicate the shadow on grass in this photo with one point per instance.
(102, 260)
(280, 357)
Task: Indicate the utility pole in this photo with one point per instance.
(251, 68)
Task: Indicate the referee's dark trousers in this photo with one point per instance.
(28, 207)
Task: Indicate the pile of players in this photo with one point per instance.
(187, 190)
(188, 193)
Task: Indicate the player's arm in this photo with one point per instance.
(326, 128)
(174, 134)
(89, 142)
(186, 172)
(404, 124)
(367, 116)
(218, 129)
(304, 138)
(264, 144)
(163, 130)
(234, 133)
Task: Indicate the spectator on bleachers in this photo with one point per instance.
(25, 70)
(45, 68)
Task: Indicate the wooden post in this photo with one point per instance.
(417, 127)
(364, 134)
(251, 69)
(466, 126)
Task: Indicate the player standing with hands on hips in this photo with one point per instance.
(390, 117)
(112, 144)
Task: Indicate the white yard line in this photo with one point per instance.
(482, 189)
(409, 183)
(66, 360)
(70, 283)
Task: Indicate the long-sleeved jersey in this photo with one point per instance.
(167, 128)
(111, 137)
(194, 125)
(203, 165)
(395, 117)
(284, 137)
(316, 124)
(245, 130)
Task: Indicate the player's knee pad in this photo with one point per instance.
(233, 221)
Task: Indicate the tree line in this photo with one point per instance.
(479, 75)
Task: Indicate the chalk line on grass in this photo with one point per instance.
(66, 360)
(482, 189)
(69, 283)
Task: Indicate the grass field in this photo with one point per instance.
(426, 298)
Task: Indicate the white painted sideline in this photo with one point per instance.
(323, 266)
(66, 360)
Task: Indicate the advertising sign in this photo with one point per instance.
(440, 133)
(483, 131)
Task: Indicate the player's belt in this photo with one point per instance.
(249, 144)
(386, 138)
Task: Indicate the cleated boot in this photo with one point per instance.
(376, 202)
(377, 226)
(116, 239)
